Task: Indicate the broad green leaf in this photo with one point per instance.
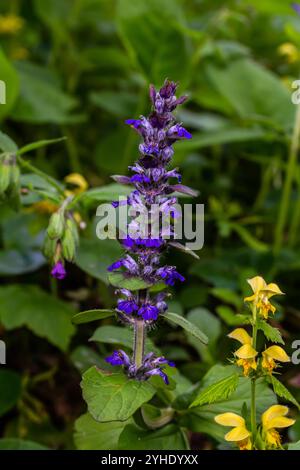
(83, 358)
(38, 144)
(109, 192)
(28, 305)
(155, 48)
(168, 438)
(220, 390)
(91, 315)
(282, 391)
(11, 443)
(186, 325)
(230, 317)
(14, 262)
(10, 89)
(41, 100)
(7, 144)
(131, 283)
(113, 397)
(119, 103)
(227, 295)
(271, 333)
(206, 322)
(10, 386)
(94, 256)
(92, 435)
(244, 82)
(112, 334)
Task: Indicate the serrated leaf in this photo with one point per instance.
(271, 333)
(92, 435)
(282, 391)
(113, 397)
(186, 325)
(131, 283)
(111, 334)
(220, 390)
(91, 315)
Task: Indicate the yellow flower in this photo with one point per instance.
(19, 53)
(10, 24)
(272, 354)
(44, 207)
(262, 292)
(239, 434)
(78, 182)
(289, 51)
(274, 417)
(246, 353)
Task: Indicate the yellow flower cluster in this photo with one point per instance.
(274, 417)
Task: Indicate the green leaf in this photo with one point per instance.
(119, 103)
(132, 283)
(282, 391)
(220, 390)
(155, 48)
(109, 192)
(94, 256)
(38, 144)
(11, 85)
(227, 295)
(41, 100)
(230, 317)
(91, 315)
(271, 333)
(248, 238)
(113, 397)
(92, 435)
(15, 262)
(42, 313)
(111, 334)
(10, 386)
(7, 144)
(186, 325)
(243, 74)
(294, 446)
(168, 438)
(20, 444)
(83, 358)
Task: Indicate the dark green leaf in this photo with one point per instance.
(91, 315)
(113, 397)
(168, 438)
(186, 325)
(7, 144)
(10, 386)
(271, 333)
(20, 444)
(131, 283)
(282, 391)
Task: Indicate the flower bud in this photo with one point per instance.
(69, 240)
(56, 225)
(4, 173)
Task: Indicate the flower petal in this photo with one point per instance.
(277, 353)
(240, 335)
(246, 352)
(273, 412)
(237, 434)
(230, 419)
(257, 283)
(280, 422)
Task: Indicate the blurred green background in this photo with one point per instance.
(79, 68)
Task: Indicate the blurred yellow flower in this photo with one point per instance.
(78, 182)
(274, 417)
(19, 53)
(289, 51)
(44, 207)
(262, 292)
(246, 354)
(10, 24)
(272, 354)
(239, 434)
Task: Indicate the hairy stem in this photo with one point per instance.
(287, 187)
(253, 380)
(139, 342)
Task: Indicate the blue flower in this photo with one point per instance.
(148, 312)
(169, 275)
(127, 306)
(118, 358)
(58, 271)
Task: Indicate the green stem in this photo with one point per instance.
(139, 342)
(287, 187)
(253, 380)
(72, 151)
(33, 169)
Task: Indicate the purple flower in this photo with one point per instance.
(159, 372)
(58, 271)
(127, 306)
(133, 122)
(178, 132)
(118, 358)
(169, 275)
(148, 312)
